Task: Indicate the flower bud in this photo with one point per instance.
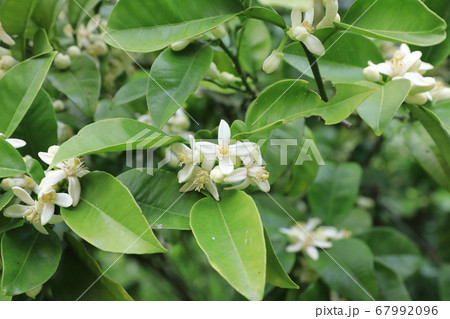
(97, 48)
(219, 32)
(58, 106)
(7, 184)
(226, 78)
(216, 175)
(73, 51)
(4, 51)
(62, 61)
(372, 75)
(272, 63)
(34, 292)
(424, 85)
(213, 72)
(418, 99)
(440, 92)
(7, 62)
(180, 45)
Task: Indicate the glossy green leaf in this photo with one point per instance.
(15, 15)
(149, 25)
(81, 83)
(130, 92)
(166, 209)
(275, 274)
(338, 64)
(174, 76)
(46, 13)
(394, 250)
(123, 134)
(29, 259)
(379, 109)
(11, 162)
(437, 127)
(255, 45)
(349, 271)
(231, 235)
(392, 21)
(109, 218)
(390, 285)
(41, 45)
(38, 128)
(265, 14)
(79, 277)
(427, 153)
(334, 192)
(5, 198)
(34, 169)
(18, 88)
(290, 99)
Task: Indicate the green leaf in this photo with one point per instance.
(350, 257)
(255, 45)
(444, 282)
(77, 10)
(15, 15)
(81, 83)
(29, 259)
(231, 235)
(379, 109)
(38, 128)
(46, 13)
(123, 135)
(390, 285)
(265, 14)
(174, 76)
(11, 162)
(18, 88)
(79, 277)
(427, 153)
(41, 45)
(130, 92)
(392, 21)
(166, 209)
(34, 169)
(305, 5)
(290, 99)
(149, 25)
(337, 64)
(393, 249)
(109, 218)
(334, 193)
(437, 127)
(5, 198)
(275, 274)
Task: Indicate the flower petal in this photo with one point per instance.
(262, 185)
(74, 190)
(224, 133)
(240, 186)
(63, 200)
(383, 68)
(238, 175)
(40, 228)
(296, 17)
(189, 186)
(47, 213)
(16, 143)
(15, 211)
(314, 45)
(293, 248)
(312, 252)
(23, 195)
(212, 188)
(309, 16)
(186, 172)
(52, 178)
(47, 158)
(226, 165)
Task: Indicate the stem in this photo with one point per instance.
(316, 72)
(318, 78)
(239, 69)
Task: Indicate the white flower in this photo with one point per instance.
(304, 239)
(440, 92)
(49, 198)
(72, 169)
(331, 14)
(5, 37)
(15, 142)
(302, 30)
(249, 175)
(32, 212)
(200, 179)
(226, 153)
(273, 61)
(23, 181)
(189, 157)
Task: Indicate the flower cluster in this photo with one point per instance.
(206, 164)
(41, 211)
(303, 30)
(307, 237)
(407, 65)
